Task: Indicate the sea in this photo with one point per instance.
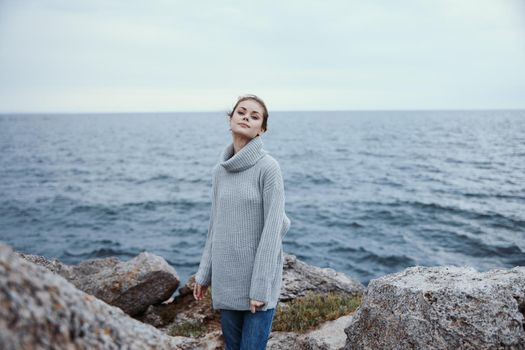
(368, 192)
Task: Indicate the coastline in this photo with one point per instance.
(420, 307)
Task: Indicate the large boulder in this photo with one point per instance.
(443, 307)
(42, 310)
(132, 285)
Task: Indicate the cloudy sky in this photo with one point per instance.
(167, 55)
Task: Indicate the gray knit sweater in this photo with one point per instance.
(243, 257)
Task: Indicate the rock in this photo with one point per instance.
(329, 336)
(212, 341)
(152, 316)
(53, 265)
(42, 310)
(283, 341)
(132, 285)
(154, 288)
(299, 278)
(444, 307)
(183, 308)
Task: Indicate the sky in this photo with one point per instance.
(168, 55)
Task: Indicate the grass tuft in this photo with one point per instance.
(308, 312)
(188, 329)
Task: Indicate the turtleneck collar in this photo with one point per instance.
(245, 158)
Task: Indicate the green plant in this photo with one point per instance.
(305, 313)
(188, 329)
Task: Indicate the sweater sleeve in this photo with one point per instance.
(270, 244)
(203, 275)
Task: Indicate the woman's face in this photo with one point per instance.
(247, 119)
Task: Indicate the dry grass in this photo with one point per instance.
(308, 312)
(188, 329)
(299, 315)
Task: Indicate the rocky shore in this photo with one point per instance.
(113, 304)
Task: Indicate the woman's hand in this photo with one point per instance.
(255, 304)
(199, 291)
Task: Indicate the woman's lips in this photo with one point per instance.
(243, 125)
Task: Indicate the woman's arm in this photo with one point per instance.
(203, 275)
(270, 243)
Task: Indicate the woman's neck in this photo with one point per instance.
(239, 142)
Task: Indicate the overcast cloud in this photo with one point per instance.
(165, 55)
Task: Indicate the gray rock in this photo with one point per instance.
(212, 341)
(329, 336)
(54, 265)
(283, 341)
(132, 285)
(42, 310)
(444, 307)
(299, 278)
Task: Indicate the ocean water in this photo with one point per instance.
(368, 192)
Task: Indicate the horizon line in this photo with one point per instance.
(274, 111)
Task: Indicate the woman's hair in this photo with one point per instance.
(256, 99)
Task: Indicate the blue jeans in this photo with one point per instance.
(244, 330)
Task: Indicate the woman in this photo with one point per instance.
(243, 258)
